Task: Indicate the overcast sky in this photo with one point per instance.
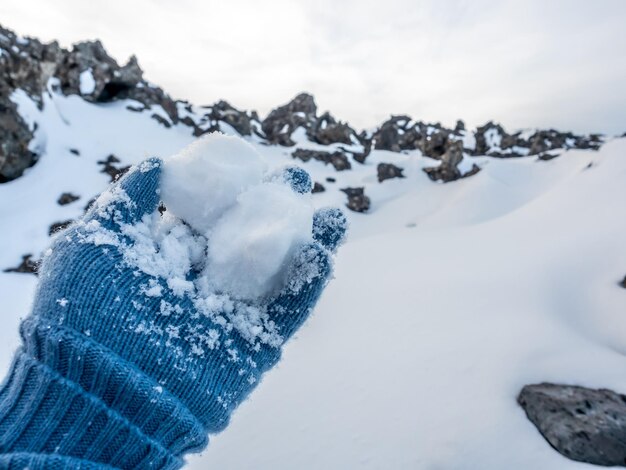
(526, 63)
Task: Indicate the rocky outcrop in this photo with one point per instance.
(582, 424)
(357, 200)
(623, 283)
(301, 111)
(208, 120)
(337, 159)
(448, 169)
(327, 130)
(86, 70)
(278, 126)
(89, 71)
(494, 141)
(386, 171)
(25, 64)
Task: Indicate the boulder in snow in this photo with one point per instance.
(388, 171)
(357, 200)
(583, 424)
(337, 159)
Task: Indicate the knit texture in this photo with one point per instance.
(105, 379)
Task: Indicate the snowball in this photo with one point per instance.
(205, 178)
(251, 245)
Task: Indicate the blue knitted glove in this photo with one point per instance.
(113, 376)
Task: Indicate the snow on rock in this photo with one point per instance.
(202, 181)
(250, 246)
(87, 84)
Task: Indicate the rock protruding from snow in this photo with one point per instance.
(357, 200)
(208, 118)
(28, 265)
(327, 130)
(88, 70)
(402, 133)
(110, 167)
(24, 64)
(493, 140)
(337, 159)
(448, 169)
(583, 424)
(388, 171)
(67, 198)
(282, 121)
(318, 188)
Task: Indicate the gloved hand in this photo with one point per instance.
(111, 374)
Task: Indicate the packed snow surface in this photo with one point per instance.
(447, 298)
(203, 180)
(251, 244)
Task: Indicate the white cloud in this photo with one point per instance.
(534, 63)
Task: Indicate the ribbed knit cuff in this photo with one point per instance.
(29, 461)
(119, 384)
(41, 412)
(69, 397)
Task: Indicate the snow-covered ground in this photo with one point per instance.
(447, 298)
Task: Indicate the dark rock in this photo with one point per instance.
(331, 180)
(357, 200)
(486, 137)
(337, 159)
(161, 120)
(391, 135)
(327, 130)
(366, 141)
(58, 226)
(243, 122)
(15, 156)
(448, 168)
(109, 167)
(387, 171)
(110, 81)
(67, 198)
(318, 188)
(623, 283)
(401, 133)
(434, 145)
(89, 204)
(28, 265)
(278, 126)
(459, 127)
(582, 424)
(238, 120)
(75, 152)
(475, 169)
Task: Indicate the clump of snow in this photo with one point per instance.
(87, 84)
(202, 181)
(250, 245)
(226, 260)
